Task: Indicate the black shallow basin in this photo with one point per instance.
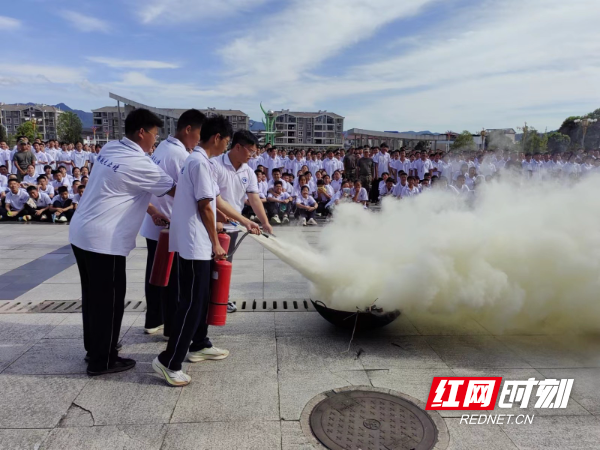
(364, 320)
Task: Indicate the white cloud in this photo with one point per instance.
(8, 23)
(85, 23)
(133, 63)
(176, 11)
(37, 73)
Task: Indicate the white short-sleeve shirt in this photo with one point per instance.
(170, 155)
(16, 201)
(187, 235)
(116, 198)
(308, 201)
(362, 195)
(235, 184)
(79, 158)
(43, 200)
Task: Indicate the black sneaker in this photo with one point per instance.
(118, 348)
(120, 365)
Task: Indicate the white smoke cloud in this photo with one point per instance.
(521, 256)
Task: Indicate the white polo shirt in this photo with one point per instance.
(235, 184)
(383, 164)
(61, 158)
(42, 201)
(330, 166)
(49, 191)
(170, 155)
(362, 195)
(16, 201)
(79, 158)
(116, 198)
(308, 201)
(188, 236)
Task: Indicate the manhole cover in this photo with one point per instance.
(369, 420)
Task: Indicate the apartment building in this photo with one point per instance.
(319, 129)
(45, 118)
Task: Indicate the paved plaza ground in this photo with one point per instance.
(279, 361)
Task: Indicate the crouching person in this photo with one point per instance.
(15, 203)
(278, 205)
(306, 207)
(42, 204)
(62, 208)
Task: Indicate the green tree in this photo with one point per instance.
(28, 129)
(69, 127)
(464, 141)
(558, 142)
(3, 135)
(534, 142)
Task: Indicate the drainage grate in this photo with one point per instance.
(12, 306)
(262, 305)
(74, 306)
(370, 420)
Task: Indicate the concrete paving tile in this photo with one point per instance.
(290, 324)
(292, 436)
(72, 326)
(314, 353)
(51, 357)
(128, 398)
(469, 437)
(232, 397)
(24, 253)
(9, 264)
(22, 439)
(401, 352)
(135, 291)
(67, 291)
(586, 386)
(257, 324)
(402, 326)
(11, 351)
(143, 347)
(256, 354)
(447, 326)
(125, 437)
(28, 327)
(240, 290)
(136, 276)
(296, 389)
(136, 263)
(475, 351)
(554, 351)
(37, 401)
(413, 382)
(286, 289)
(256, 435)
(67, 276)
(556, 433)
(572, 409)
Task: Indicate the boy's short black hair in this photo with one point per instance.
(42, 177)
(385, 173)
(402, 172)
(13, 179)
(192, 118)
(47, 166)
(276, 171)
(244, 137)
(257, 171)
(278, 183)
(61, 167)
(62, 189)
(320, 183)
(31, 188)
(304, 187)
(390, 180)
(216, 125)
(81, 186)
(141, 118)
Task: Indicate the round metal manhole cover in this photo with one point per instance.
(368, 420)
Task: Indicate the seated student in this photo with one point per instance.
(411, 190)
(460, 185)
(324, 195)
(287, 177)
(59, 180)
(277, 177)
(30, 179)
(44, 187)
(68, 178)
(261, 179)
(384, 177)
(73, 188)
(341, 196)
(85, 172)
(424, 185)
(336, 183)
(470, 177)
(387, 188)
(359, 194)
(15, 202)
(397, 192)
(3, 179)
(62, 208)
(76, 174)
(77, 197)
(42, 204)
(277, 205)
(312, 184)
(48, 172)
(84, 180)
(306, 207)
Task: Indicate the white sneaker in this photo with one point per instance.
(275, 220)
(62, 219)
(304, 221)
(213, 353)
(172, 377)
(252, 217)
(312, 222)
(231, 308)
(154, 330)
(286, 220)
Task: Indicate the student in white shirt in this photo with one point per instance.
(77, 198)
(397, 191)
(104, 230)
(64, 158)
(382, 163)
(15, 203)
(42, 202)
(336, 183)
(30, 178)
(277, 177)
(306, 207)
(193, 236)
(278, 208)
(170, 156)
(411, 190)
(461, 187)
(387, 188)
(359, 194)
(44, 187)
(41, 159)
(422, 166)
(329, 164)
(238, 184)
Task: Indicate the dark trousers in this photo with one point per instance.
(161, 302)
(6, 217)
(68, 214)
(190, 331)
(277, 209)
(321, 209)
(103, 285)
(308, 214)
(374, 194)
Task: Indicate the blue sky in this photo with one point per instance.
(383, 64)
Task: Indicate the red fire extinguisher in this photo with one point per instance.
(224, 240)
(163, 260)
(219, 292)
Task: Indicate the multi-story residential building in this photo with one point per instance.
(309, 129)
(45, 118)
(108, 123)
